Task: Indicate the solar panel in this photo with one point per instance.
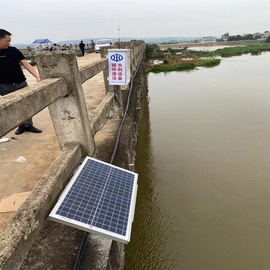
(100, 198)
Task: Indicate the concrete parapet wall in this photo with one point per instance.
(100, 114)
(90, 70)
(37, 97)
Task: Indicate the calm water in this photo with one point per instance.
(210, 48)
(204, 170)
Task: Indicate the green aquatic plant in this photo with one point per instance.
(209, 62)
(186, 65)
(202, 53)
(177, 67)
(166, 61)
(236, 51)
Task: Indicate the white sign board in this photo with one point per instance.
(119, 66)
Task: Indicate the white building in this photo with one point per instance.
(265, 35)
(208, 40)
(256, 34)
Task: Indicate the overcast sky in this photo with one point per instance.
(61, 20)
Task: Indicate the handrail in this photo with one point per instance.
(37, 97)
(90, 70)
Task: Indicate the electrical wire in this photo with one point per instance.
(124, 117)
(132, 123)
(81, 250)
(86, 234)
(93, 137)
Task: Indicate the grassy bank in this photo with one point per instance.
(185, 65)
(185, 59)
(177, 67)
(209, 62)
(234, 51)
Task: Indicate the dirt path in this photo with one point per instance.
(39, 150)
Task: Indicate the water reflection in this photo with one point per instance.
(150, 246)
(211, 48)
(203, 164)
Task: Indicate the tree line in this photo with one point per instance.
(227, 37)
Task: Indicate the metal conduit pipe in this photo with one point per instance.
(86, 234)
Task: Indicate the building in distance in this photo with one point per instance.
(208, 39)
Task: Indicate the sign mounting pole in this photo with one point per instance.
(119, 36)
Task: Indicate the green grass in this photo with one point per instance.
(209, 63)
(177, 67)
(235, 51)
(202, 53)
(186, 66)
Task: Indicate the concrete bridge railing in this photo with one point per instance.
(29, 53)
(61, 91)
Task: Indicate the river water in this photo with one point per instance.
(204, 169)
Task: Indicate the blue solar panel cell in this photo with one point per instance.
(99, 198)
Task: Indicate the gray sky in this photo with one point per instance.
(61, 20)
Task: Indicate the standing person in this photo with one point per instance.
(82, 45)
(11, 74)
(55, 47)
(92, 45)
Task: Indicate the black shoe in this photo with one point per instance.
(33, 129)
(19, 131)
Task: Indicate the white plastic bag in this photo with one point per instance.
(20, 159)
(4, 140)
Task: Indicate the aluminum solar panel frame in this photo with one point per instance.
(100, 198)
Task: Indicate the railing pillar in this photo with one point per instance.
(31, 54)
(108, 88)
(69, 113)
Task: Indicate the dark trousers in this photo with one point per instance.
(10, 88)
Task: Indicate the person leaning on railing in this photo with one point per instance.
(11, 74)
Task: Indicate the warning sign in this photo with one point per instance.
(119, 66)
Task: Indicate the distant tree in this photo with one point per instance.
(239, 37)
(225, 36)
(267, 40)
(248, 37)
(266, 32)
(171, 51)
(235, 38)
(258, 36)
(151, 49)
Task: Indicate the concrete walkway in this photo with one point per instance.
(39, 150)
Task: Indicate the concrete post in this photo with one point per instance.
(118, 92)
(31, 55)
(108, 88)
(69, 113)
(76, 49)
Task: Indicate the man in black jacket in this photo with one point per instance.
(82, 45)
(11, 74)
